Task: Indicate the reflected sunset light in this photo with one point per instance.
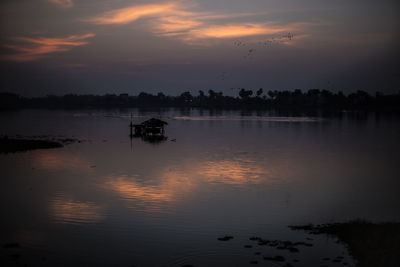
(233, 172)
(170, 187)
(153, 196)
(72, 211)
(56, 160)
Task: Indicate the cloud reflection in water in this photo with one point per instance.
(170, 186)
(67, 210)
(59, 160)
(151, 197)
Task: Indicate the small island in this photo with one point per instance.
(12, 145)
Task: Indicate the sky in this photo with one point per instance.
(129, 46)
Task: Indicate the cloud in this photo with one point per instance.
(29, 48)
(230, 31)
(63, 3)
(233, 31)
(196, 32)
(179, 20)
(133, 13)
(168, 25)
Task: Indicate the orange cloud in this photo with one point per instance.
(133, 13)
(63, 3)
(179, 20)
(174, 24)
(233, 31)
(35, 48)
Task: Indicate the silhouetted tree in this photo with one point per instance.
(272, 94)
(259, 92)
(211, 94)
(244, 94)
(279, 100)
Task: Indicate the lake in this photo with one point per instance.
(110, 200)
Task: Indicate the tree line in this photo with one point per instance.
(246, 99)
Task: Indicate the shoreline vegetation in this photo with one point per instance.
(371, 244)
(13, 145)
(297, 100)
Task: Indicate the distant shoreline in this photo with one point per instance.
(297, 100)
(371, 244)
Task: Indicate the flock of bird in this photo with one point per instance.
(267, 43)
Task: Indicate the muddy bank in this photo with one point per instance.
(12, 145)
(369, 243)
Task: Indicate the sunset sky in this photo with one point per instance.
(122, 46)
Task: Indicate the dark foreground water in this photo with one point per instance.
(112, 201)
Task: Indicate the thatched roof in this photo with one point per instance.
(154, 122)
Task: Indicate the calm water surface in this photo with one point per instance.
(112, 201)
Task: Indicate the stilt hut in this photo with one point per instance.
(154, 127)
(150, 128)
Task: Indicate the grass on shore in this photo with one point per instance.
(371, 244)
